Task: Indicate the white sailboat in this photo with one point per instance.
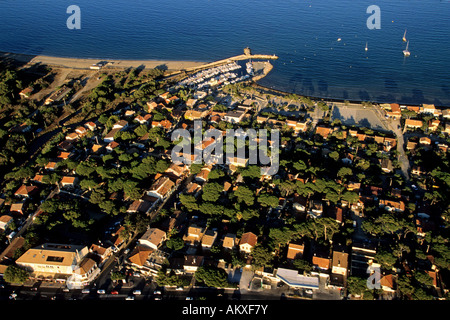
(406, 52)
(404, 36)
(366, 47)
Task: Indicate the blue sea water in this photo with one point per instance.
(303, 33)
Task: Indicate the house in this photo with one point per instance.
(176, 171)
(161, 188)
(116, 238)
(151, 105)
(200, 95)
(57, 261)
(139, 256)
(202, 176)
(323, 131)
(190, 103)
(153, 238)
(193, 235)
(353, 186)
(102, 252)
(97, 148)
(72, 136)
(69, 182)
(389, 143)
(26, 93)
(112, 145)
(83, 274)
(193, 189)
(297, 126)
(236, 161)
(410, 123)
(361, 137)
(379, 139)
(208, 239)
(121, 125)
(229, 241)
(299, 203)
(340, 263)
(141, 205)
(434, 275)
(143, 119)
(394, 111)
(425, 140)
(38, 178)
(81, 131)
(5, 221)
(411, 145)
(386, 165)
(166, 124)
(417, 170)
(247, 242)
(433, 124)
(446, 114)
(315, 208)
(90, 125)
(202, 145)
(65, 145)
(64, 155)
(387, 283)
(336, 213)
(415, 109)
(295, 251)
(187, 158)
(339, 269)
(26, 191)
(235, 116)
(447, 128)
(443, 147)
(176, 222)
(260, 119)
(192, 263)
(321, 263)
(11, 251)
(58, 95)
(198, 113)
(429, 108)
(109, 137)
(390, 205)
(18, 208)
(129, 113)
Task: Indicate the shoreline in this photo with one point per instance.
(174, 66)
(85, 63)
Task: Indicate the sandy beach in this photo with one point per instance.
(76, 63)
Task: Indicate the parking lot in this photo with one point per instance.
(357, 115)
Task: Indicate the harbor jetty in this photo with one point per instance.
(246, 56)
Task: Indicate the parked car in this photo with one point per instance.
(179, 288)
(156, 292)
(114, 292)
(101, 291)
(137, 292)
(85, 291)
(129, 298)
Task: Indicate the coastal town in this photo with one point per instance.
(93, 207)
